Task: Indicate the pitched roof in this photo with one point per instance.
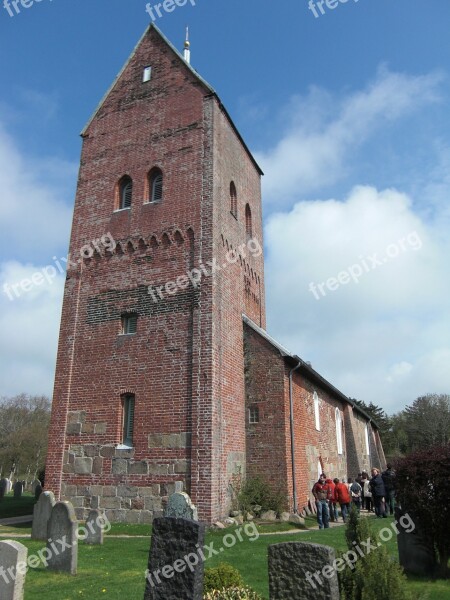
(305, 367)
(187, 65)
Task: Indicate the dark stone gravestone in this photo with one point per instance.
(18, 489)
(416, 552)
(3, 488)
(37, 491)
(175, 566)
(302, 570)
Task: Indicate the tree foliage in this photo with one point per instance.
(423, 490)
(24, 422)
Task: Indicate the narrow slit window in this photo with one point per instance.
(248, 222)
(129, 323)
(340, 448)
(233, 199)
(128, 419)
(317, 411)
(147, 74)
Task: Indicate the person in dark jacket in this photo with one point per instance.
(378, 494)
(389, 485)
(322, 494)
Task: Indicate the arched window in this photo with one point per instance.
(125, 192)
(248, 222)
(155, 185)
(316, 411)
(233, 199)
(340, 448)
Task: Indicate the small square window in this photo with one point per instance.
(147, 74)
(129, 323)
(253, 415)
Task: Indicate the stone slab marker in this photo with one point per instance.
(37, 491)
(41, 515)
(62, 528)
(95, 524)
(416, 552)
(169, 575)
(289, 566)
(180, 506)
(12, 556)
(3, 487)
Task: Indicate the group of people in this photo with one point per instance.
(375, 493)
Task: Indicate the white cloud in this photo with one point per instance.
(385, 337)
(323, 135)
(34, 214)
(30, 324)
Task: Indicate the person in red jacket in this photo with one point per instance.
(332, 502)
(342, 496)
(322, 494)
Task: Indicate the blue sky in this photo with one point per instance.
(348, 114)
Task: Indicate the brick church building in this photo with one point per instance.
(166, 378)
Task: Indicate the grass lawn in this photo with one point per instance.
(16, 507)
(116, 569)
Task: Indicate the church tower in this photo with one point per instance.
(165, 258)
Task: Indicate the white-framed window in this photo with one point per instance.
(340, 448)
(253, 414)
(316, 410)
(366, 435)
(129, 323)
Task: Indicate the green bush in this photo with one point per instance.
(375, 576)
(220, 577)
(235, 593)
(256, 491)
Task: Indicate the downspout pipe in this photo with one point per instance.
(291, 418)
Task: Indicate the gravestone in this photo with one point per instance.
(8, 485)
(175, 566)
(180, 506)
(37, 491)
(18, 489)
(95, 524)
(292, 566)
(41, 515)
(13, 560)
(416, 553)
(3, 486)
(34, 485)
(62, 542)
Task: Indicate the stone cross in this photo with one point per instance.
(13, 561)
(180, 506)
(302, 570)
(95, 524)
(175, 566)
(62, 542)
(41, 515)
